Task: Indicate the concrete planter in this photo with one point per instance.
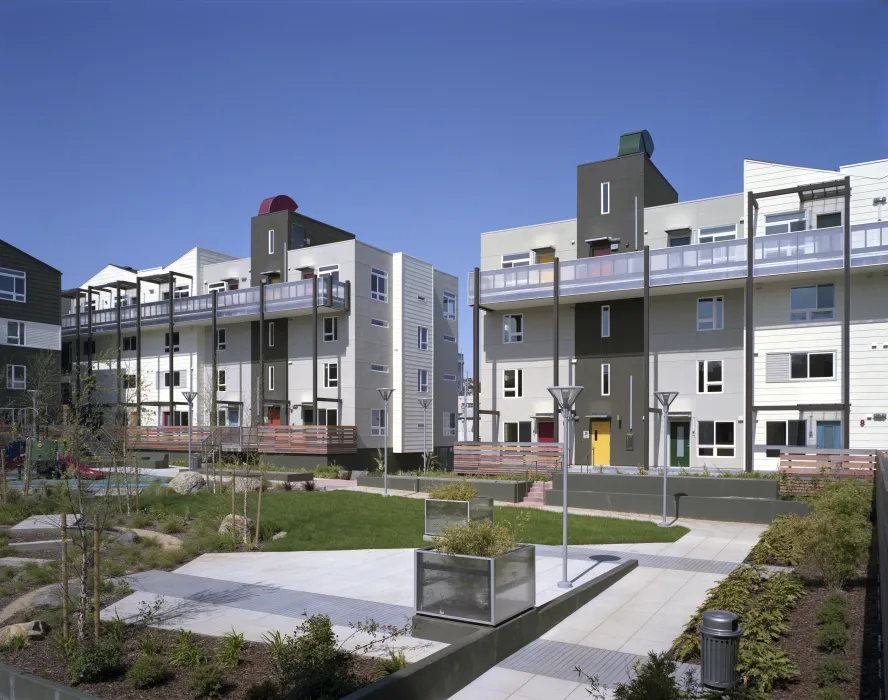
(694, 486)
(498, 490)
(398, 483)
(440, 513)
(482, 590)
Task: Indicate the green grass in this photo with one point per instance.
(353, 520)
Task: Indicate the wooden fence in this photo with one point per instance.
(277, 439)
(810, 467)
(506, 458)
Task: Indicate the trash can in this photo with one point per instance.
(719, 646)
(195, 462)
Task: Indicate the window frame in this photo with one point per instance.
(522, 259)
(377, 274)
(271, 241)
(716, 301)
(605, 198)
(15, 276)
(379, 323)
(786, 433)
(19, 337)
(221, 380)
(809, 312)
(177, 379)
(827, 213)
(449, 338)
(129, 340)
(166, 342)
(517, 381)
(382, 369)
(715, 446)
(334, 333)
(327, 271)
(331, 380)
(703, 365)
(448, 377)
(605, 321)
(448, 424)
(270, 334)
(809, 378)
(781, 218)
(518, 424)
(11, 382)
(605, 383)
(510, 337)
(422, 338)
(377, 416)
(271, 377)
(717, 234)
(221, 339)
(423, 386)
(129, 381)
(448, 304)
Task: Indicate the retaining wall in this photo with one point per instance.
(18, 685)
(497, 489)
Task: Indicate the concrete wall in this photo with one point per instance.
(445, 357)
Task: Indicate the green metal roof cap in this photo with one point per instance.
(636, 142)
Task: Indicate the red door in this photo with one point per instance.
(274, 415)
(546, 431)
(601, 250)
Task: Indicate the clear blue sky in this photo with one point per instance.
(132, 131)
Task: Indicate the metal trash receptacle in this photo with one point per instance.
(719, 648)
(195, 462)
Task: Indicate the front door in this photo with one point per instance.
(546, 431)
(600, 434)
(274, 415)
(829, 435)
(679, 443)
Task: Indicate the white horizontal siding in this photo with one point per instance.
(44, 336)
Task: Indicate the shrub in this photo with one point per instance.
(231, 648)
(95, 662)
(173, 525)
(141, 520)
(834, 609)
(782, 544)
(832, 637)
(148, 645)
(847, 498)
(309, 485)
(460, 490)
(477, 538)
(326, 471)
(654, 679)
(388, 665)
(185, 651)
(829, 694)
(266, 690)
(206, 681)
(16, 642)
(837, 545)
(832, 670)
(763, 665)
(148, 672)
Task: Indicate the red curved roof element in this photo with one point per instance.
(280, 202)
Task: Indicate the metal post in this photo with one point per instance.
(476, 358)
(425, 431)
(555, 350)
(260, 387)
(565, 459)
(646, 369)
(77, 352)
(214, 401)
(172, 347)
(749, 418)
(138, 351)
(89, 333)
(314, 351)
(385, 450)
(121, 412)
(664, 430)
(846, 324)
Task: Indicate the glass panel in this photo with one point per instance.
(514, 583)
(803, 298)
(715, 370)
(524, 431)
(724, 433)
(440, 514)
(798, 366)
(775, 434)
(707, 432)
(829, 220)
(481, 508)
(821, 365)
(453, 586)
(796, 433)
(826, 296)
(719, 313)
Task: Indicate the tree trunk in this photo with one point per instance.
(64, 524)
(3, 472)
(97, 585)
(27, 474)
(258, 512)
(84, 575)
(246, 529)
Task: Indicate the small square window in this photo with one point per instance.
(422, 381)
(711, 314)
(812, 303)
(377, 422)
(222, 384)
(166, 342)
(16, 377)
(129, 343)
(331, 375)
(829, 220)
(449, 306)
(709, 377)
(15, 333)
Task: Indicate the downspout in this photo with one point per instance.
(214, 400)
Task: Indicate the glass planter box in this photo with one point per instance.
(485, 590)
(439, 514)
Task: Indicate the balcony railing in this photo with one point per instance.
(797, 251)
(287, 296)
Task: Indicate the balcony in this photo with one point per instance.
(238, 303)
(797, 251)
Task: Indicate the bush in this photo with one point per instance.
(231, 648)
(148, 672)
(848, 498)
(185, 651)
(832, 670)
(837, 545)
(829, 694)
(834, 609)
(388, 665)
(309, 485)
(326, 471)
(782, 544)
(477, 538)
(654, 680)
(148, 644)
(173, 525)
(206, 681)
(141, 520)
(460, 490)
(95, 662)
(266, 690)
(832, 637)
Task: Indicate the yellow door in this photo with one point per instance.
(600, 433)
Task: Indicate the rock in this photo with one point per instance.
(279, 535)
(187, 482)
(36, 629)
(276, 485)
(246, 483)
(236, 523)
(128, 537)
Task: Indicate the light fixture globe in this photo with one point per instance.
(425, 403)
(565, 396)
(386, 394)
(189, 396)
(666, 397)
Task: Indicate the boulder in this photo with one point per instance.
(246, 483)
(187, 482)
(236, 523)
(279, 535)
(127, 537)
(36, 629)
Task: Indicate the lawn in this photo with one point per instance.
(354, 520)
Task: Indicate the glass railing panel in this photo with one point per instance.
(869, 244)
(698, 263)
(798, 251)
(604, 273)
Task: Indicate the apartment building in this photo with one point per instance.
(764, 308)
(30, 335)
(303, 332)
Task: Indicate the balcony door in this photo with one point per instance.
(829, 435)
(273, 415)
(546, 431)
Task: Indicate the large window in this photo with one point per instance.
(449, 424)
(449, 306)
(709, 377)
(714, 234)
(605, 198)
(378, 284)
(605, 379)
(129, 343)
(222, 380)
(377, 422)
(710, 314)
(812, 365)
(331, 375)
(12, 285)
(829, 220)
(422, 338)
(328, 416)
(15, 333)
(605, 321)
(513, 328)
(422, 381)
(517, 259)
(814, 303)
(513, 383)
(784, 223)
(221, 339)
(166, 342)
(16, 377)
(331, 329)
(517, 432)
(715, 438)
(785, 432)
(177, 377)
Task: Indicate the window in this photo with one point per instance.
(420, 297)
(710, 314)
(12, 285)
(605, 198)
(166, 342)
(129, 381)
(517, 432)
(513, 383)
(129, 343)
(605, 379)
(377, 422)
(89, 346)
(714, 234)
(449, 338)
(513, 328)
(715, 438)
(812, 365)
(449, 305)
(814, 303)
(785, 432)
(677, 240)
(15, 333)
(422, 338)
(16, 377)
(182, 291)
(328, 416)
(784, 223)
(379, 368)
(331, 271)
(221, 339)
(271, 378)
(271, 334)
(378, 284)
(221, 380)
(177, 376)
(379, 323)
(331, 375)
(331, 329)
(516, 259)
(605, 321)
(449, 377)
(422, 381)
(449, 424)
(709, 377)
(829, 220)
(271, 242)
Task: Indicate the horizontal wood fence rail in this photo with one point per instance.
(506, 458)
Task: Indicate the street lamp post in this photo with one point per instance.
(565, 397)
(189, 397)
(386, 394)
(665, 399)
(425, 403)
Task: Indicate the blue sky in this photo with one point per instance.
(134, 131)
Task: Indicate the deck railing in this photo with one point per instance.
(506, 457)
